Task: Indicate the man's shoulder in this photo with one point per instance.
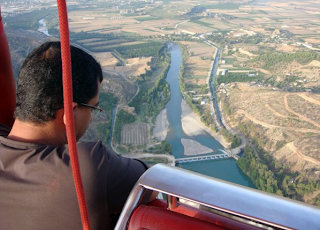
(93, 147)
(96, 150)
(89, 144)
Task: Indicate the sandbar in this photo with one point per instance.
(192, 147)
(192, 125)
(161, 128)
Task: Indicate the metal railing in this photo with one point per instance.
(251, 205)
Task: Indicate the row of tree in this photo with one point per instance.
(163, 147)
(123, 118)
(145, 49)
(258, 172)
(234, 139)
(150, 101)
(272, 59)
(206, 118)
(107, 102)
(237, 77)
(184, 57)
(29, 21)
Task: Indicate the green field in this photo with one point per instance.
(29, 21)
(142, 19)
(202, 23)
(221, 6)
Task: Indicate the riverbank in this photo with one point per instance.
(161, 128)
(191, 125)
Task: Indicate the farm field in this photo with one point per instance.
(135, 134)
(198, 63)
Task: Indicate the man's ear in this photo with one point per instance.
(74, 105)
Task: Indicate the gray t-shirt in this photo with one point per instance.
(37, 189)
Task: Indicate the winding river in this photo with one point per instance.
(43, 27)
(225, 169)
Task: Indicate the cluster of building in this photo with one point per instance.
(14, 8)
(202, 99)
(226, 88)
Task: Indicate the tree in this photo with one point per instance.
(166, 147)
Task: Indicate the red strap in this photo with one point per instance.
(68, 99)
(7, 84)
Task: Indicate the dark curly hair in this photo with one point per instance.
(39, 85)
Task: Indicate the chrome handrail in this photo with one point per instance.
(227, 197)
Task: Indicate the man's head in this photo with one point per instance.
(39, 87)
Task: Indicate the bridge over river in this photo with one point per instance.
(223, 155)
(202, 158)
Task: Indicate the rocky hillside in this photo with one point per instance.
(283, 128)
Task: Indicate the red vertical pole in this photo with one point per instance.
(68, 99)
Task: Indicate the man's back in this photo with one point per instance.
(37, 190)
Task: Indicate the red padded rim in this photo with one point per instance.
(150, 217)
(203, 215)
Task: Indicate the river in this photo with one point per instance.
(214, 71)
(225, 169)
(43, 27)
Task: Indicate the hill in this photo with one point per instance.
(284, 129)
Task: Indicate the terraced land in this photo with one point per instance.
(291, 118)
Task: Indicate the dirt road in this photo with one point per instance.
(304, 157)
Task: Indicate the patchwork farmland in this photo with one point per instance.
(135, 134)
